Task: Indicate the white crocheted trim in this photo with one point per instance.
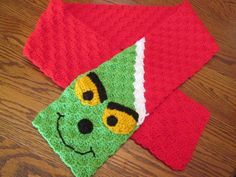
(139, 89)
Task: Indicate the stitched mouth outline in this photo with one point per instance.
(72, 148)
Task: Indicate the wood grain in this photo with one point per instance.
(24, 91)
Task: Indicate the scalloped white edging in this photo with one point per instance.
(140, 101)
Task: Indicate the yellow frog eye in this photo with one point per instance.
(90, 90)
(119, 119)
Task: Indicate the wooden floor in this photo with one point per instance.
(24, 91)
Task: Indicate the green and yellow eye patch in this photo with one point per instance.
(90, 90)
(119, 119)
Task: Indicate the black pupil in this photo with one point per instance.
(88, 95)
(85, 126)
(112, 120)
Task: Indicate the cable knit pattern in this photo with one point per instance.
(71, 38)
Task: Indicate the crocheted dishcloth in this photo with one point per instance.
(177, 45)
(93, 116)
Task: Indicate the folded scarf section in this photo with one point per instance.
(71, 39)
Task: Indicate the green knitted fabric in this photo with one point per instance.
(117, 76)
(60, 123)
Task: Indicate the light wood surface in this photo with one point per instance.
(24, 91)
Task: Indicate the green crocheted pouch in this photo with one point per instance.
(96, 113)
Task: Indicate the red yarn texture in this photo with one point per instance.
(71, 38)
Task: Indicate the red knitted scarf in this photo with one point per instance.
(72, 38)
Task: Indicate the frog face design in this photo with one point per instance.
(94, 115)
